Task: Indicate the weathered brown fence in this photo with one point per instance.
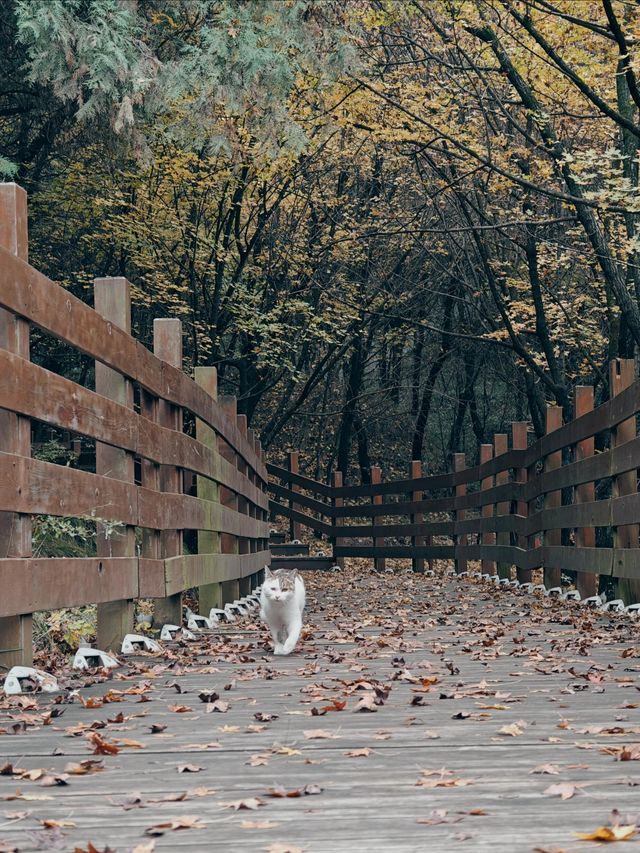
(556, 505)
(143, 460)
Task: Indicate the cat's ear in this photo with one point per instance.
(267, 572)
(296, 573)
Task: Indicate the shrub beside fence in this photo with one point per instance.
(144, 458)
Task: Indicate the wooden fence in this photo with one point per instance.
(137, 415)
(567, 502)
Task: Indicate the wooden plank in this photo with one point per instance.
(52, 583)
(301, 517)
(302, 500)
(435, 552)
(15, 432)
(185, 571)
(382, 531)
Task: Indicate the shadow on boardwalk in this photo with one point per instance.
(477, 704)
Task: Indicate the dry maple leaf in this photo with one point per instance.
(57, 824)
(279, 791)
(549, 769)
(564, 790)
(186, 822)
(20, 796)
(82, 768)
(278, 847)
(513, 730)
(365, 752)
(145, 847)
(258, 824)
(320, 734)
(179, 709)
(250, 803)
(189, 768)
(609, 833)
(100, 745)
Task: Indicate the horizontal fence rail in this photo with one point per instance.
(555, 505)
(172, 461)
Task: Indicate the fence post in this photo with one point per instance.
(293, 464)
(167, 345)
(16, 642)
(519, 442)
(229, 544)
(209, 595)
(376, 500)
(586, 582)
(244, 543)
(337, 501)
(415, 473)
(460, 539)
(488, 537)
(552, 500)
(501, 445)
(621, 375)
(112, 300)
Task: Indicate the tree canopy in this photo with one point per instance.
(394, 226)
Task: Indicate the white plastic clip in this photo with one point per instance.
(175, 632)
(617, 605)
(134, 643)
(593, 601)
(571, 595)
(633, 609)
(555, 592)
(504, 581)
(86, 658)
(26, 679)
(539, 587)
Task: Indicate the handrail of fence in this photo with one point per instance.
(557, 504)
(152, 480)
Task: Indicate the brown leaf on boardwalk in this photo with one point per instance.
(82, 768)
(367, 702)
(258, 761)
(219, 706)
(48, 823)
(90, 848)
(101, 746)
(186, 822)
(250, 803)
(145, 847)
(132, 744)
(189, 768)
(549, 769)
(258, 824)
(438, 816)
(609, 833)
(179, 709)
(278, 847)
(513, 730)
(320, 734)
(365, 752)
(20, 796)
(279, 791)
(564, 790)
(261, 717)
(336, 705)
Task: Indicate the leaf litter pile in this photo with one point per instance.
(416, 713)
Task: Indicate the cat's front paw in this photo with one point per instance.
(279, 650)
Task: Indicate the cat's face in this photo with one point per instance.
(280, 585)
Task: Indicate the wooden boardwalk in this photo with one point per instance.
(487, 698)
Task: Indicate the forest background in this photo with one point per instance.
(394, 226)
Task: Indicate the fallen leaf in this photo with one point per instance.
(189, 768)
(258, 824)
(609, 833)
(365, 752)
(564, 790)
(250, 803)
(549, 769)
(179, 709)
(319, 734)
(187, 822)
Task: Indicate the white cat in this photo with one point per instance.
(282, 600)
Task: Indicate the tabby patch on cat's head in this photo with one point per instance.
(286, 578)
